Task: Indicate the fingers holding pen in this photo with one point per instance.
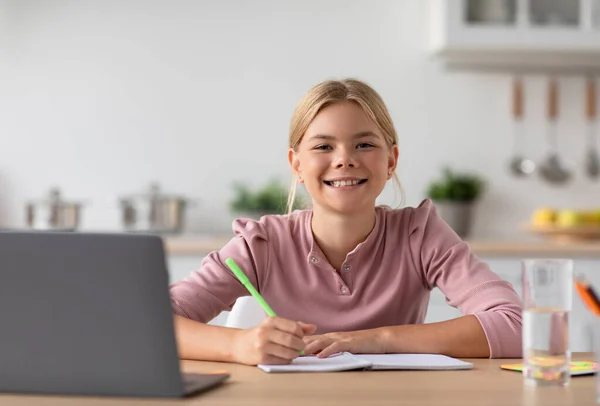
(275, 340)
(285, 333)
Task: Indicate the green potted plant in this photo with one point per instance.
(454, 196)
(268, 199)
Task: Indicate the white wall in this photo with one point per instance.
(101, 97)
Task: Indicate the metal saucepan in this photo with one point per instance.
(154, 212)
(53, 213)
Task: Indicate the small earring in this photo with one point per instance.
(300, 179)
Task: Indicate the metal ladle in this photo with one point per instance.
(552, 168)
(592, 160)
(520, 166)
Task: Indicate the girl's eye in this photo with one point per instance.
(364, 145)
(322, 147)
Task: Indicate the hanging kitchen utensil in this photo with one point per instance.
(552, 169)
(520, 166)
(592, 160)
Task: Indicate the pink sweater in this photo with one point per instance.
(384, 281)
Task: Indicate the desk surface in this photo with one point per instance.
(486, 384)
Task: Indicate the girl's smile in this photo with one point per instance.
(345, 183)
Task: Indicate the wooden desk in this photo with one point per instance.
(486, 384)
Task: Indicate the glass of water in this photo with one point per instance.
(547, 302)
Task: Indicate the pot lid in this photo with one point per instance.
(154, 192)
(54, 197)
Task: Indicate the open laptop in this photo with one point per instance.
(89, 314)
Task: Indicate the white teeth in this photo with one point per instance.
(339, 183)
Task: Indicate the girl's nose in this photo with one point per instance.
(344, 159)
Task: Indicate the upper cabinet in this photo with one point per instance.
(513, 35)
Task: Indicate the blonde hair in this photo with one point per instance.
(335, 91)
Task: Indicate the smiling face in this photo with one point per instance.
(343, 159)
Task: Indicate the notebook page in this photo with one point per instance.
(336, 362)
(414, 361)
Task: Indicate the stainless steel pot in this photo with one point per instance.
(53, 213)
(154, 212)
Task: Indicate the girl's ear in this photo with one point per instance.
(294, 162)
(393, 159)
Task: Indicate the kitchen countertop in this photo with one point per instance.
(203, 244)
(194, 244)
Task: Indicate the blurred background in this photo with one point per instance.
(173, 117)
(106, 102)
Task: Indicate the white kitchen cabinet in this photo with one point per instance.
(516, 35)
(181, 266)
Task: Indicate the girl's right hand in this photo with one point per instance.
(274, 341)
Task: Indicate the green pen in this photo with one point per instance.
(246, 282)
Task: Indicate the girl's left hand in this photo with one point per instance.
(356, 342)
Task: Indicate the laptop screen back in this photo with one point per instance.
(86, 314)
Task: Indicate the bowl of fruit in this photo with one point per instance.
(565, 224)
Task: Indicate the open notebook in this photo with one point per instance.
(346, 362)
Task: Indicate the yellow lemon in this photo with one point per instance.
(569, 218)
(543, 216)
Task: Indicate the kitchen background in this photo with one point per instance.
(100, 98)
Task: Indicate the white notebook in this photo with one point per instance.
(346, 362)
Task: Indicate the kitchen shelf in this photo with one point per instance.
(516, 35)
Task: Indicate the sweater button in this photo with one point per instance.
(346, 267)
(344, 290)
(314, 260)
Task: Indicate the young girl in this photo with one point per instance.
(346, 275)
